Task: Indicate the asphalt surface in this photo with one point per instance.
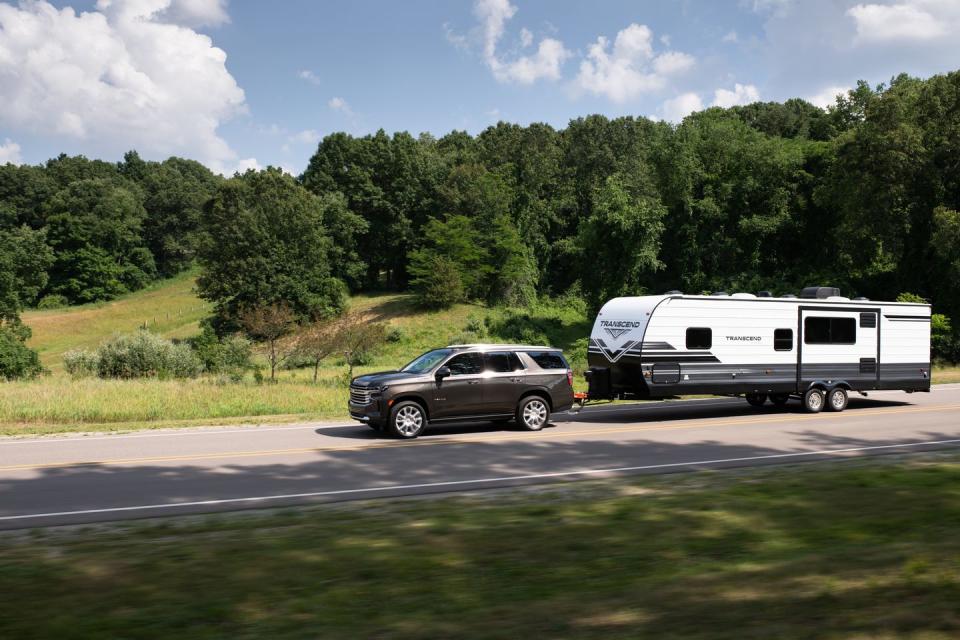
(81, 479)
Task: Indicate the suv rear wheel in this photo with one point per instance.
(533, 413)
(407, 420)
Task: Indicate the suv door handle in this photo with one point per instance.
(473, 382)
(516, 379)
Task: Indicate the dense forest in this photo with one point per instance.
(864, 195)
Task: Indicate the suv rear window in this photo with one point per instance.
(548, 359)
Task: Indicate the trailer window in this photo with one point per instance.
(783, 339)
(830, 331)
(699, 338)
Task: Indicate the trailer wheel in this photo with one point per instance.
(813, 400)
(779, 399)
(756, 399)
(837, 399)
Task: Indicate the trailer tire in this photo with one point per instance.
(779, 399)
(813, 400)
(837, 399)
(756, 399)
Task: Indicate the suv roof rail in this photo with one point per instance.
(490, 345)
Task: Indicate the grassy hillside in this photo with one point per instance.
(169, 308)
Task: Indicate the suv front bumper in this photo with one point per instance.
(368, 413)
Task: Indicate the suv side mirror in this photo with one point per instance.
(442, 372)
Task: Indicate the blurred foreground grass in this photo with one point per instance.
(866, 549)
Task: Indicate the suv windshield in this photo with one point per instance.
(427, 361)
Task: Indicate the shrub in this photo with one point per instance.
(231, 355)
(17, 360)
(146, 355)
(80, 363)
(394, 335)
(53, 301)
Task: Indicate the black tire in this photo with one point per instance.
(779, 399)
(837, 399)
(813, 400)
(407, 420)
(533, 413)
(756, 399)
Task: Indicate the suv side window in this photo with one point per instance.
(502, 362)
(548, 359)
(465, 364)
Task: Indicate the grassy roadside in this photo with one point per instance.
(865, 549)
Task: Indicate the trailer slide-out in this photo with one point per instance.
(817, 347)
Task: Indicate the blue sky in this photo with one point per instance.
(242, 83)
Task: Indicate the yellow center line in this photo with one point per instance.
(507, 437)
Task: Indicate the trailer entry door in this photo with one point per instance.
(838, 344)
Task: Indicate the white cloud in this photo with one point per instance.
(309, 76)
(545, 63)
(526, 37)
(741, 94)
(339, 104)
(918, 20)
(458, 40)
(731, 36)
(307, 136)
(678, 108)
(630, 67)
(248, 163)
(9, 152)
(197, 13)
(665, 40)
(673, 62)
(121, 77)
(827, 97)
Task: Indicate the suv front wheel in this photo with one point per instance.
(533, 413)
(407, 420)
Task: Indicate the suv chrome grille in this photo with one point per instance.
(360, 396)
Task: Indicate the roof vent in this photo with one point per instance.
(719, 293)
(861, 298)
(674, 292)
(743, 295)
(788, 295)
(764, 294)
(820, 293)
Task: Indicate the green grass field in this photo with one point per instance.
(865, 549)
(57, 403)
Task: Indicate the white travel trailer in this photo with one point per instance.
(816, 347)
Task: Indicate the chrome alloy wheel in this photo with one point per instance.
(408, 421)
(534, 414)
(815, 401)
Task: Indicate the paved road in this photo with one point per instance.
(79, 479)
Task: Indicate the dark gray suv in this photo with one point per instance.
(466, 382)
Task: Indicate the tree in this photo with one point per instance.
(620, 242)
(269, 324)
(264, 243)
(95, 229)
(437, 282)
(355, 336)
(316, 342)
(457, 240)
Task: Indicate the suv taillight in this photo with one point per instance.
(570, 377)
